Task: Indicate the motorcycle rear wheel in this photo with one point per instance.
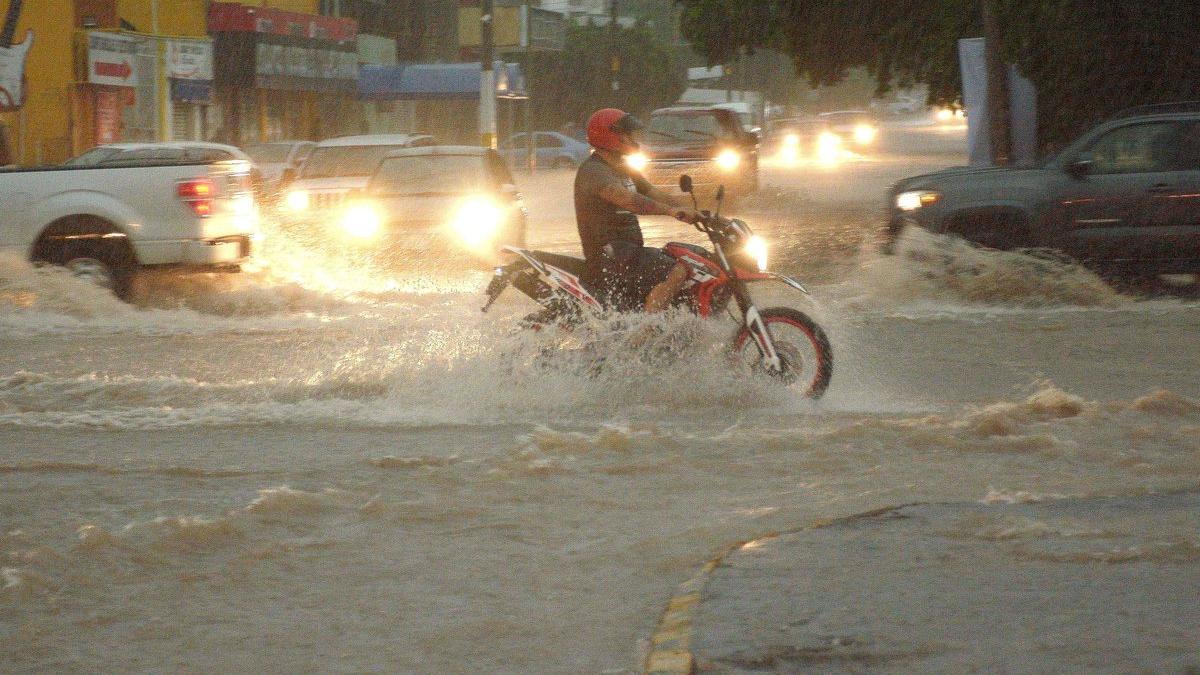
(802, 346)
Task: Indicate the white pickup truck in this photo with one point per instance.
(105, 223)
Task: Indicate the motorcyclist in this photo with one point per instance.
(609, 196)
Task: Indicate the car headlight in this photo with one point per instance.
(791, 141)
(756, 247)
(912, 200)
(477, 221)
(638, 161)
(865, 133)
(829, 147)
(296, 200)
(362, 221)
(728, 160)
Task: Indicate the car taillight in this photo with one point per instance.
(198, 194)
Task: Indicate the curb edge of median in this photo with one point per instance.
(670, 644)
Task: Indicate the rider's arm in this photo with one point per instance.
(636, 202)
(662, 197)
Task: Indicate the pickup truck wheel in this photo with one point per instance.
(102, 263)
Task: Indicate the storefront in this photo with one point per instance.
(283, 75)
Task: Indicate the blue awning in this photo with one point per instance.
(415, 81)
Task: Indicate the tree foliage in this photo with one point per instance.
(570, 85)
(1087, 59)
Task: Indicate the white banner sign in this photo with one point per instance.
(974, 78)
(12, 73)
(189, 59)
(111, 58)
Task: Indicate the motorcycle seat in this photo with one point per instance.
(576, 266)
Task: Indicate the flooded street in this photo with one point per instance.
(320, 467)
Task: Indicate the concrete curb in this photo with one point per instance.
(670, 644)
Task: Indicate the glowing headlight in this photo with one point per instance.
(756, 247)
(637, 161)
(296, 200)
(915, 199)
(865, 133)
(791, 141)
(362, 221)
(728, 160)
(945, 115)
(829, 147)
(477, 221)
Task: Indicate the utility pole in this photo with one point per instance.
(613, 27)
(997, 87)
(487, 79)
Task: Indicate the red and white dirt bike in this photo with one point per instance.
(780, 342)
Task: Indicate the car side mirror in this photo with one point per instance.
(1080, 167)
(685, 183)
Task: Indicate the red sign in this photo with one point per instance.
(117, 70)
(230, 17)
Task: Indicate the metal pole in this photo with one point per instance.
(487, 79)
(613, 27)
(530, 159)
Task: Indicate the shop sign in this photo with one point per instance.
(12, 73)
(108, 116)
(111, 58)
(315, 63)
(189, 59)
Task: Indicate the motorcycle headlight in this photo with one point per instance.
(637, 161)
(296, 200)
(477, 221)
(756, 248)
(728, 160)
(362, 221)
(912, 200)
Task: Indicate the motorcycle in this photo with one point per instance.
(788, 346)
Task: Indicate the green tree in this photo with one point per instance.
(568, 86)
(1087, 59)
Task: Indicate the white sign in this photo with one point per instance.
(706, 73)
(111, 58)
(974, 78)
(12, 73)
(189, 59)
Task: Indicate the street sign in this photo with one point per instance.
(111, 58)
(543, 29)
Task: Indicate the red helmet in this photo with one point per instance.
(609, 129)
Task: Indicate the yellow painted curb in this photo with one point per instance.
(670, 644)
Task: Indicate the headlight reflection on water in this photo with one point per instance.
(362, 221)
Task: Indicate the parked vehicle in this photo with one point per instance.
(857, 128)
(339, 168)
(1124, 198)
(274, 158)
(105, 222)
(434, 200)
(707, 143)
(550, 150)
(779, 342)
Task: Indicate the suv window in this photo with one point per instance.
(1137, 148)
(547, 141)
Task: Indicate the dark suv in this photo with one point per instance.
(708, 144)
(1124, 198)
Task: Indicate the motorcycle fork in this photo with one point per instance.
(753, 322)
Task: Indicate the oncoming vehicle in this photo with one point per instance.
(117, 154)
(709, 144)
(277, 158)
(436, 199)
(794, 140)
(340, 167)
(1123, 199)
(858, 129)
(780, 342)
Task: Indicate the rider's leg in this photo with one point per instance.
(660, 296)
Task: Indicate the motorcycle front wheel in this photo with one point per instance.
(803, 349)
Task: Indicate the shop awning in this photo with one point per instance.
(416, 81)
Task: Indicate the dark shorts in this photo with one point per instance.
(630, 272)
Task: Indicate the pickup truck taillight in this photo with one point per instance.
(198, 194)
